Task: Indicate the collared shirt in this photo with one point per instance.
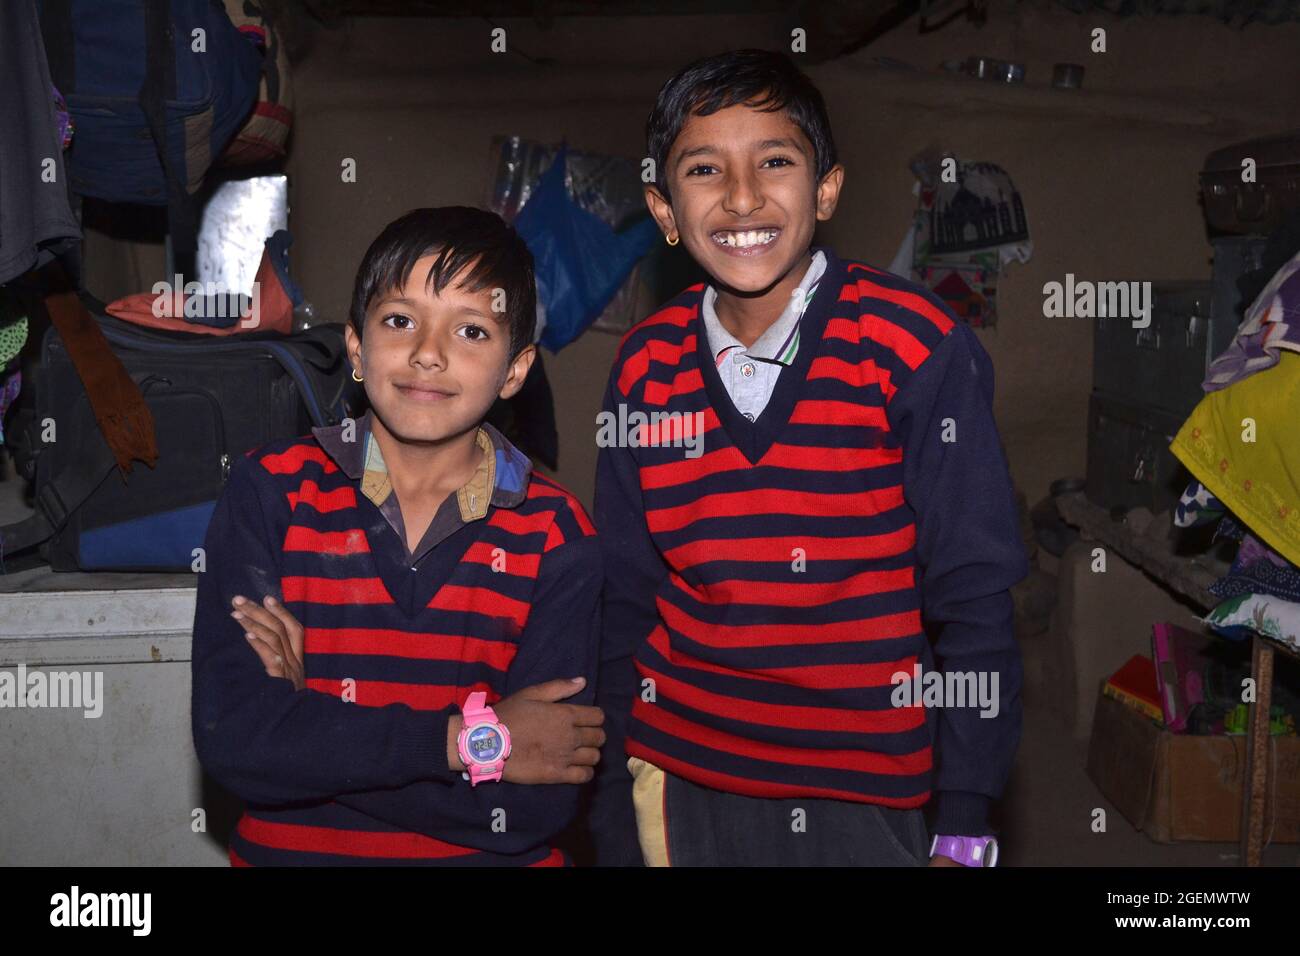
(501, 479)
(750, 374)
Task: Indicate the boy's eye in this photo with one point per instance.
(697, 170)
(782, 160)
(475, 333)
(388, 320)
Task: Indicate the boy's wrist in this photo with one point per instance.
(962, 813)
(454, 763)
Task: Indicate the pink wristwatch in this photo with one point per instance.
(483, 742)
(967, 850)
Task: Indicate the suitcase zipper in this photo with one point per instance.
(284, 356)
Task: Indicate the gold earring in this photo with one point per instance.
(672, 241)
(355, 376)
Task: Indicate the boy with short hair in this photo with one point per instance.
(761, 597)
(430, 601)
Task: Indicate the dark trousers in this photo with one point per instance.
(707, 827)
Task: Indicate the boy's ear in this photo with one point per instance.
(661, 209)
(353, 343)
(828, 192)
(517, 371)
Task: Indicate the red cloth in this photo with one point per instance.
(275, 309)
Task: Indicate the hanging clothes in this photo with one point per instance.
(1272, 323)
(36, 218)
(964, 233)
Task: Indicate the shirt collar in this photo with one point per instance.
(501, 478)
(775, 343)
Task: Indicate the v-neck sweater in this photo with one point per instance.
(761, 596)
(353, 768)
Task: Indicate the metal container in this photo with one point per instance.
(1160, 366)
(1067, 76)
(983, 67)
(1011, 72)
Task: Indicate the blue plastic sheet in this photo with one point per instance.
(580, 261)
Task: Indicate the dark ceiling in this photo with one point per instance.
(1233, 11)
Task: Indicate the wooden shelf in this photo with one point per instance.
(1145, 540)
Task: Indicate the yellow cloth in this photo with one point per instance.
(1259, 481)
(648, 799)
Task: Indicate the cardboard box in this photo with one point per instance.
(1177, 787)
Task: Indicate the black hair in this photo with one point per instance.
(757, 78)
(460, 235)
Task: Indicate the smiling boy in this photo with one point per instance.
(418, 578)
(760, 598)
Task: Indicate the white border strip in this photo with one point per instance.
(152, 624)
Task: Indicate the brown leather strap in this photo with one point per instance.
(115, 398)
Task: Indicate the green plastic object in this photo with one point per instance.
(1280, 724)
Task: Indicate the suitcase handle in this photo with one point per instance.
(1149, 337)
(1253, 205)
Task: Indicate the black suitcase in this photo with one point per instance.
(1160, 366)
(211, 400)
(1129, 461)
(1258, 207)
(1235, 257)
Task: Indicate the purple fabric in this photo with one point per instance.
(66, 129)
(1258, 569)
(8, 392)
(1252, 550)
(1272, 323)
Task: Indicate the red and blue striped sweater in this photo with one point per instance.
(504, 602)
(760, 595)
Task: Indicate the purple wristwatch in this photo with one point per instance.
(967, 850)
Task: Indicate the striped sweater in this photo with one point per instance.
(353, 768)
(762, 590)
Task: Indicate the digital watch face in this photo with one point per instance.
(485, 744)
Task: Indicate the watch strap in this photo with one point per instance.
(966, 850)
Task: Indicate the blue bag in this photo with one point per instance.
(579, 261)
(151, 113)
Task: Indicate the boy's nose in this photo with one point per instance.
(430, 351)
(743, 195)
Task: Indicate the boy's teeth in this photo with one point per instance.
(750, 238)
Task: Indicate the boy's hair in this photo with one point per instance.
(758, 78)
(460, 235)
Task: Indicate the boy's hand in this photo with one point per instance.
(943, 861)
(275, 635)
(551, 742)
